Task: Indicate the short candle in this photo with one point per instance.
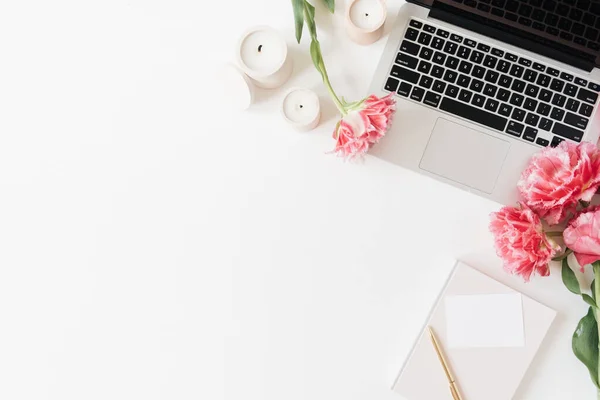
(301, 108)
(365, 19)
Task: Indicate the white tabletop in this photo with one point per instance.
(156, 245)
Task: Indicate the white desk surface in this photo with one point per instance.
(156, 245)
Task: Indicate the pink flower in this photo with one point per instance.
(364, 126)
(583, 236)
(557, 178)
(521, 242)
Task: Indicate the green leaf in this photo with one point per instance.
(588, 299)
(330, 5)
(315, 54)
(592, 289)
(309, 17)
(569, 278)
(585, 344)
(298, 6)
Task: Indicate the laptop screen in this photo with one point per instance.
(568, 26)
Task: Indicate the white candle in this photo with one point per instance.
(365, 19)
(263, 55)
(301, 108)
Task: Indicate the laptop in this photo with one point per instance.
(482, 85)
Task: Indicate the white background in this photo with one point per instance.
(155, 244)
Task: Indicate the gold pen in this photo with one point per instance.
(451, 381)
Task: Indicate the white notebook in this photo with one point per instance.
(489, 334)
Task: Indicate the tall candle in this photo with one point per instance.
(301, 108)
(263, 56)
(365, 19)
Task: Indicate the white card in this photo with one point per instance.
(491, 320)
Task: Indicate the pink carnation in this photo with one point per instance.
(363, 127)
(521, 242)
(557, 178)
(583, 236)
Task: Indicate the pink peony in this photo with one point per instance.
(521, 242)
(363, 126)
(557, 178)
(583, 236)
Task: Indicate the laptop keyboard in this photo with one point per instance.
(577, 21)
(490, 86)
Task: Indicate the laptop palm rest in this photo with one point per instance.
(464, 155)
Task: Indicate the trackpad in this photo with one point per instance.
(464, 155)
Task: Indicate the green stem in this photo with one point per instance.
(336, 100)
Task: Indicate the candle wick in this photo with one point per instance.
(259, 48)
(366, 14)
(301, 106)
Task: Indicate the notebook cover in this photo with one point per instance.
(482, 373)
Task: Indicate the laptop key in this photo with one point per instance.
(478, 100)
(490, 90)
(505, 109)
(424, 38)
(511, 57)
(525, 62)
(456, 38)
(476, 57)
(532, 119)
(557, 85)
(545, 124)
(405, 74)
(516, 70)
(518, 86)
(516, 99)
(424, 67)
(465, 67)
(391, 84)
(432, 99)
(552, 71)
(566, 77)
(545, 95)
(429, 28)
(465, 95)
(570, 90)
(518, 114)
(452, 62)
(559, 100)
(450, 48)
(478, 71)
(437, 71)
(439, 58)
(407, 61)
(438, 43)
(543, 80)
(491, 105)
(544, 109)
(594, 86)
(503, 95)
(567, 132)
(452, 91)
(530, 134)
(532, 90)
(498, 52)
(426, 53)
(463, 52)
(576, 120)
(425, 81)
(490, 61)
(556, 141)
(450, 76)
(581, 82)
(404, 89)
(542, 142)
(411, 34)
(557, 113)
(587, 96)
(491, 76)
(409, 47)
(586, 109)
(473, 114)
(470, 43)
(572, 105)
(505, 81)
(415, 23)
(439, 86)
(417, 94)
(442, 33)
(483, 47)
(539, 67)
(463, 80)
(503, 66)
(515, 128)
(476, 85)
(530, 104)
(530, 75)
